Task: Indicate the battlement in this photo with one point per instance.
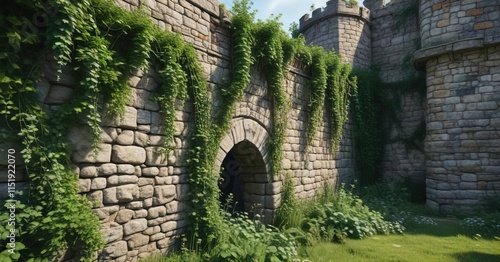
(333, 8)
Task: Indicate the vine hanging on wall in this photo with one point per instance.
(101, 44)
(101, 48)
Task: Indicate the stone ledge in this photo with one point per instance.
(420, 57)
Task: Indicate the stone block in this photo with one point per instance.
(273, 188)
(137, 240)
(88, 172)
(96, 198)
(143, 117)
(115, 250)
(483, 25)
(105, 212)
(127, 193)
(155, 212)
(255, 188)
(150, 171)
(182, 192)
(469, 177)
(168, 226)
(154, 157)
(129, 119)
(141, 139)
(125, 138)
(84, 185)
(468, 185)
(135, 226)
(124, 216)
(118, 180)
(98, 183)
(126, 169)
(88, 155)
(164, 194)
(146, 191)
(59, 94)
(107, 169)
(110, 196)
(128, 154)
(112, 234)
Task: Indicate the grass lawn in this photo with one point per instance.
(444, 242)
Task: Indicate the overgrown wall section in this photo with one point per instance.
(395, 38)
(140, 196)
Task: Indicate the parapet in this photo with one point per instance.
(333, 8)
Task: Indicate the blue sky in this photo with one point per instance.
(291, 10)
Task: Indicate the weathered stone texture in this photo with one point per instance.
(140, 194)
(463, 155)
(341, 28)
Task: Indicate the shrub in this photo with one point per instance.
(346, 216)
(250, 240)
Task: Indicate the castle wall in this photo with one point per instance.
(461, 57)
(394, 40)
(140, 197)
(346, 31)
(341, 28)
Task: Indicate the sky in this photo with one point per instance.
(291, 10)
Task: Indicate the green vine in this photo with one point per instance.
(101, 44)
(367, 127)
(102, 48)
(318, 85)
(269, 50)
(341, 86)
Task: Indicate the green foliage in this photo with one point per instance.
(294, 30)
(241, 239)
(347, 216)
(288, 215)
(102, 48)
(367, 127)
(351, 3)
(318, 85)
(392, 200)
(269, 50)
(250, 240)
(340, 87)
(274, 51)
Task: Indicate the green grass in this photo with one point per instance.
(445, 242)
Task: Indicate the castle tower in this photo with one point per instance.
(342, 28)
(461, 58)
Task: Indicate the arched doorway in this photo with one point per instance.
(244, 176)
(243, 155)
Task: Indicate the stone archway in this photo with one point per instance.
(246, 169)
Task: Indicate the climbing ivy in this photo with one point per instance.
(367, 106)
(270, 52)
(101, 44)
(318, 85)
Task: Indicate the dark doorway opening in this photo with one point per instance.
(231, 184)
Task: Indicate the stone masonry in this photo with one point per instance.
(461, 57)
(140, 197)
(456, 44)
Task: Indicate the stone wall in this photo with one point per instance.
(394, 40)
(345, 30)
(461, 54)
(141, 197)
